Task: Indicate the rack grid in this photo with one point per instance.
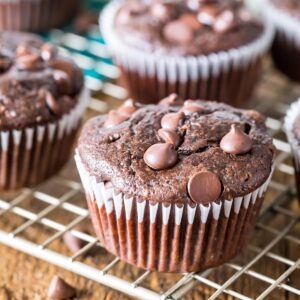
(268, 269)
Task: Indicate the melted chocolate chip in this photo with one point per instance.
(190, 107)
(162, 11)
(47, 52)
(204, 187)
(207, 14)
(169, 136)
(236, 141)
(114, 118)
(52, 103)
(128, 107)
(172, 100)
(178, 32)
(171, 121)
(60, 290)
(224, 21)
(191, 21)
(63, 82)
(29, 62)
(161, 156)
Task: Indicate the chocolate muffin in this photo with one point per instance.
(173, 187)
(36, 15)
(41, 103)
(286, 47)
(199, 49)
(292, 129)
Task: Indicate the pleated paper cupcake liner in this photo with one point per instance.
(170, 238)
(286, 46)
(35, 15)
(227, 76)
(29, 156)
(289, 121)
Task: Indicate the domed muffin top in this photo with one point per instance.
(191, 152)
(37, 86)
(190, 27)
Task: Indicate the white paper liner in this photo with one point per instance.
(27, 155)
(214, 215)
(289, 120)
(287, 26)
(176, 69)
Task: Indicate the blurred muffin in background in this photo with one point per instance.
(285, 15)
(42, 100)
(206, 49)
(36, 15)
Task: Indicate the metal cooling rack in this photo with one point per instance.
(268, 269)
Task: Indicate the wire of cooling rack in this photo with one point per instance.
(91, 54)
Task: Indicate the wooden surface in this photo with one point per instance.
(24, 277)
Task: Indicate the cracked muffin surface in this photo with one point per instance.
(115, 153)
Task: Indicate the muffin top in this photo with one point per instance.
(292, 7)
(37, 86)
(178, 152)
(190, 27)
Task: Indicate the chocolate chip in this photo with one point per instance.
(236, 141)
(204, 187)
(191, 21)
(47, 51)
(171, 121)
(172, 100)
(29, 62)
(128, 107)
(169, 136)
(161, 156)
(63, 82)
(162, 11)
(178, 32)
(52, 103)
(73, 242)
(114, 118)
(207, 14)
(60, 290)
(224, 22)
(191, 106)
(22, 50)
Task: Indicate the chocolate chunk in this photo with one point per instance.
(161, 156)
(114, 118)
(178, 32)
(204, 187)
(191, 21)
(52, 103)
(29, 62)
(47, 51)
(236, 141)
(169, 136)
(207, 14)
(224, 22)
(162, 11)
(60, 290)
(172, 100)
(171, 121)
(128, 107)
(73, 242)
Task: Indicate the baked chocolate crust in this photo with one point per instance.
(37, 86)
(115, 154)
(176, 29)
